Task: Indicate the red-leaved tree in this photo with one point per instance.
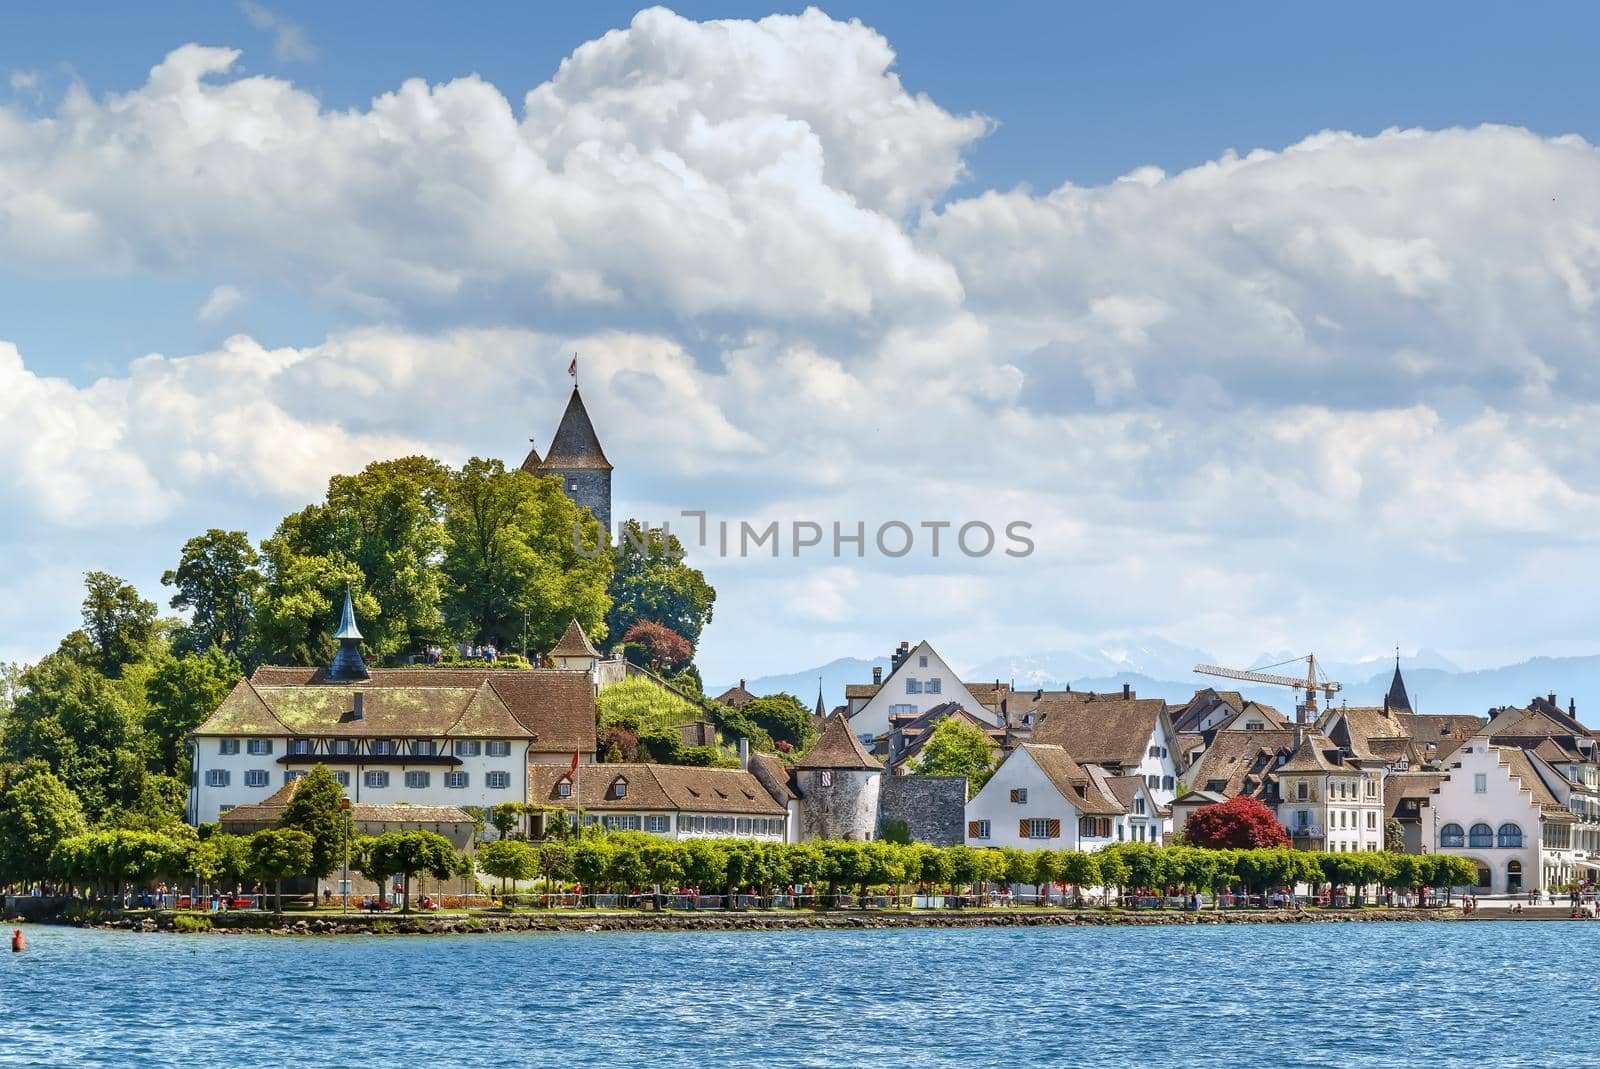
(665, 651)
(1241, 823)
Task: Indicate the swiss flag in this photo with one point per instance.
(572, 368)
(574, 760)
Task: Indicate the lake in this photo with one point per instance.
(1348, 995)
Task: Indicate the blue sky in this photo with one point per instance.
(1335, 396)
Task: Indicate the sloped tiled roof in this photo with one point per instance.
(1521, 766)
(574, 643)
(656, 787)
(1400, 786)
(1107, 731)
(1072, 780)
(838, 747)
(861, 690)
(575, 445)
(736, 697)
(1438, 735)
(774, 774)
(1234, 758)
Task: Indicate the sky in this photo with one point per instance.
(1276, 326)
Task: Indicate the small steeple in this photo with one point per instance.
(1397, 701)
(822, 712)
(531, 463)
(348, 664)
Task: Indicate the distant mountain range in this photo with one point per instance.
(1157, 668)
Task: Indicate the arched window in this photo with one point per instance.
(1481, 835)
(1450, 835)
(1510, 836)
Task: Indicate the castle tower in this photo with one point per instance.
(348, 665)
(575, 455)
(838, 783)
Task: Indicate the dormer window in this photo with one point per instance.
(564, 789)
(619, 788)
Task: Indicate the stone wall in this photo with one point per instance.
(933, 808)
(593, 491)
(846, 808)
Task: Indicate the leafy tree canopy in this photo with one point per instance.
(120, 624)
(37, 811)
(654, 583)
(1240, 823)
(958, 748)
(315, 810)
(218, 579)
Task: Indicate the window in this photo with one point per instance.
(1255, 725)
(1372, 788)
(934, 685)
(1302, 818)
(922, 661)
(1372, 820)
(217, 777)
(1510, 836)
(228, 746)
(659, 823)
(468, 748)
(913, 686)
(1155, 751)
(498, 749)
(624, 822)
(619, 788)
(1138, 806)
(417, 781)
(977, 829)
(1092, 827)
(1301, 789)
(1168, 783)
(256, 777)
(1019, 795)
(903, 707)
(499, 781)
(293, 774)
(299, 746)
(1481, 835)
(344, 747)
(572, 486)
(1452, 835)
(564, 789)
(1040, 828)
(1152, 781)
(258, 747)
(342, 778)
(380, 747)
(1480, 783)
(424, 748)
(1119, 833)
(455, 780)
(376, 779)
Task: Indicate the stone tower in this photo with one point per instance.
(838, 783)
(575, 455)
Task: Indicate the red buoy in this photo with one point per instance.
(18, 943)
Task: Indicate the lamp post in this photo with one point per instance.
(344, 844)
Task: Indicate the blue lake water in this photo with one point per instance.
(1482, 994)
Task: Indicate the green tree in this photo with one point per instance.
(783, 718)
(374, 865)
(510, 561)
(652, 582)
(277, 854)
(37, 811)
(304, 586)
(1394, 836)
(181, 692)
(223, 860)
(408, 854)
(509, 859)
(958, 748)
(316, 809)
(504, 817)
(119, 623)
(218, 579)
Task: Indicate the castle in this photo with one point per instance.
(576, 456)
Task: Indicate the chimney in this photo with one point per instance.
(360, 710)
(877, 674)
(744, 753)
(741, 684)
(1127, 691)
(1572, 708)
(1552, 697)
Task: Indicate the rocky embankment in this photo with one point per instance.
(452, 924)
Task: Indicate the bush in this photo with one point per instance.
(183, 922)
(706, 757)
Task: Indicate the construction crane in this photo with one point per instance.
(1312, 682)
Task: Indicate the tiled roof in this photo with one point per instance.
(1107, 731)
(1314, 754)
(1400, 786)
(838, 747)
(1521, 766)
(574, 643)
(989, 694)
(736, 696)
(270, 811)
(861, 690)
(1234, 758)
(575, 445)
(555, 708)
(1072, 780)
(656, 788)
(773, 773)
(1438, 735)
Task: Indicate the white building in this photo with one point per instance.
(419, 736)
(1123, 734)
(1041, 799)
(919, 679)
(1329, 799)
(1494, 808)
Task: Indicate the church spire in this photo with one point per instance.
(1397, 701)
(348, 665)
(822, 712)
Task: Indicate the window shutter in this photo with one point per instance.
(1022, 829)
(1053, 828)
(1013, 794)
(972, 829)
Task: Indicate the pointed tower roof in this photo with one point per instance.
(347, 621)
(531, 463)
(1397, 700)
(348, 665)
(822, 712)
(838, 748)
(575, 444)
(574, 643)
